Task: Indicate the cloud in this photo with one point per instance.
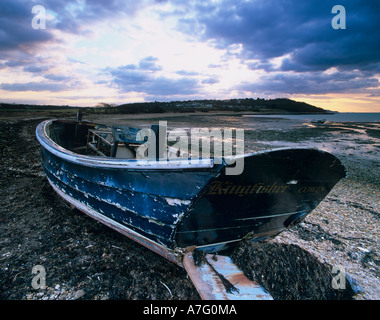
(145, 78)
(32, 52)
(125, 78)
(301, 31)
(216, 66)
(16, 32)
(210, 80)
(77, 17)
(71, 17)
(293, 42)
(57, 77)
(36, 68)
(289, 46)
(35, 86)
(164, 87)
(149, 63)
(310, 83)
(373, 93)
(187, 73)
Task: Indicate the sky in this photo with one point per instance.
(84, 52)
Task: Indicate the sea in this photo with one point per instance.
(343, 134)
(335, 117)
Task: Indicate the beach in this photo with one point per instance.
(86, 260)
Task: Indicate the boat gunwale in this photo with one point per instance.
(105, 162)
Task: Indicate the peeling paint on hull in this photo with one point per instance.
(146, 242)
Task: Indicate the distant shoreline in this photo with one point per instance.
(233, 106)
(21, 114)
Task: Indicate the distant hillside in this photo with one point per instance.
(234, 105)
(22, 107)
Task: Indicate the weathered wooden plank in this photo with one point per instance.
(210, 286)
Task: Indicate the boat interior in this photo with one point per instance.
(89, 138)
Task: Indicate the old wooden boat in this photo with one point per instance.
(171, 207)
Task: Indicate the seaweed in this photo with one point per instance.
(288, 272)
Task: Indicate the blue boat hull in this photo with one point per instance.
(169, 208)
(149, 202)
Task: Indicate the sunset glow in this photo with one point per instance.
(93, 51)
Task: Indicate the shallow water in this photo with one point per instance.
(353, 139)
(336, 117)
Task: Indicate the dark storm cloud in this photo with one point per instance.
(310, 83)
(300, 34)
(302, 29)
(16, 32)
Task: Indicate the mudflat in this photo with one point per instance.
(85, 260)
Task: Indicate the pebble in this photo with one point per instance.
(79, 294)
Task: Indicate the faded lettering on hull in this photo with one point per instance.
(219, 188)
